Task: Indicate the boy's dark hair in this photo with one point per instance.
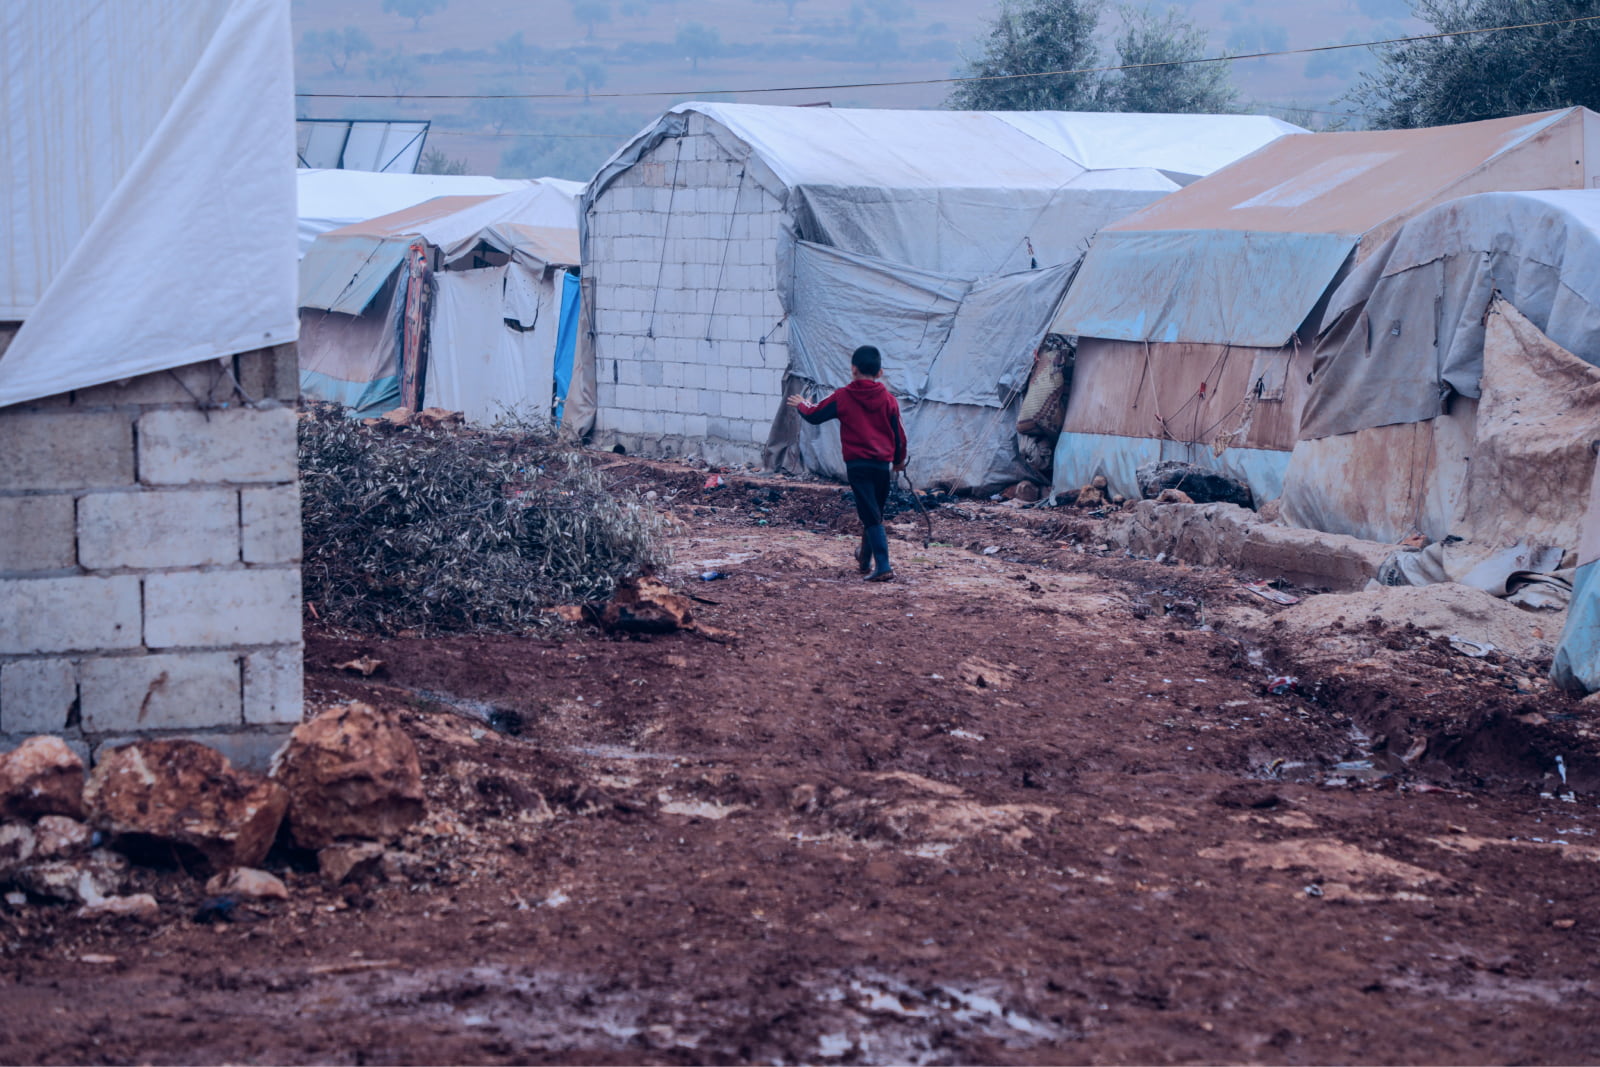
(867, 360)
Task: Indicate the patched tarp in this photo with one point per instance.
(148, 193)
(1406, 329)
(1503, 469)
(956, 353)
(1243, 256)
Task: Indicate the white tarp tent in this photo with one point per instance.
(494, 299)
(173, 241)
(850, 217)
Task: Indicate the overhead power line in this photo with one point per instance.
(946, 81)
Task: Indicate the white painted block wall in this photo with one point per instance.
(689, 349)
(150, 560)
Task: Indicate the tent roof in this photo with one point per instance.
(1243, 256)
(961, 192)
(329, 199)
(892, 149)
(347, 267)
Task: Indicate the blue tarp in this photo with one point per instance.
(566, 340)
(1577, 662)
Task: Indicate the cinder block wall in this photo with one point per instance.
(689, 351)
(150, 559)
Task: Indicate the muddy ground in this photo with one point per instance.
(1029, 805)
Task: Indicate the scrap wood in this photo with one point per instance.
(366, 665)
(1265, 591)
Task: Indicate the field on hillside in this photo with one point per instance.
(665, 51)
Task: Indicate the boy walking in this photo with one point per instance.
(874, 446)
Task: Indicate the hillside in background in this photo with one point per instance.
(660, 52)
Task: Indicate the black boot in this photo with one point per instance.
(864, 554)
(879, 539)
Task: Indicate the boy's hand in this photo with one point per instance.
(794, 400)
(901, 465)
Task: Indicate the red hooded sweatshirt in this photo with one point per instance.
(869, 421)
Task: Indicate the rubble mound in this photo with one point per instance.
(1355, 624)
(1200, 485)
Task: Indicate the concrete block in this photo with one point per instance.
(207, 381)
(270, 373)
(219, 608)
(694, 375)
(694, 425)
(68, 614)
(760, 431)
(179, 447)
(274, 685)
(738, 380)
(36, 695)
(672, 423)
(627, 420)
(672, 374)
(172, 692)
(269, 519)
(69, 450)
(653, 423)
(158, 529)
(716, 377)
(248, 749)
(36, 533)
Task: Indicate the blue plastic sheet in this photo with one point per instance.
(566, 340)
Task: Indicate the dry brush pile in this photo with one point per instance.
(437, 531)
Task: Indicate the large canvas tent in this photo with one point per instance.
(1195, 315)
(733, 252)
(458, 303)
(170, 242)
(329, 199)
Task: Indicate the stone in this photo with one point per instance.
(351, 773)
(89, 880)
(247, 882)
(185, 795)
(141, 907)
(60, 837)
(41, 776)
(646, 605)
(18, 843)
(340, 863)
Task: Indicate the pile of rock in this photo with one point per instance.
(345, 785)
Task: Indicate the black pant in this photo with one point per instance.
(869, 481)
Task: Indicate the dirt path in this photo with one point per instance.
(998, 811)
